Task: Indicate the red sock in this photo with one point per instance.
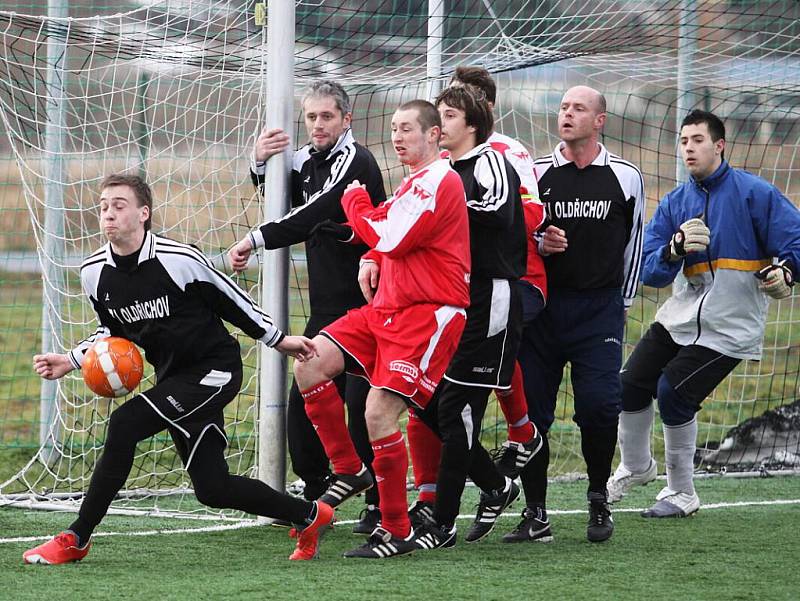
(391, 467)
(426, 451)
(325, 409)
(515, 408)
(521, 433)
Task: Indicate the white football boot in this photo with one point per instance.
(622, 480)
(672, 504)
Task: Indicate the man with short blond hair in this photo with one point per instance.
(416, 278)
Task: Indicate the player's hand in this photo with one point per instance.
(240, 254)
(340, 232)
(368, 275)
(776, 280)
(52, 366)
(353, 185)
(693, 236)
(554, 240)
(269, 143)
(299, 347)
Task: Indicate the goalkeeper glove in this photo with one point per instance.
(776, 280)
(693, 236)
(338, 231)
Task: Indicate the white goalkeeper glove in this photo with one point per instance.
(776, 280)
(693, 236)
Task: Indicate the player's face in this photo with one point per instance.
(121, 218)
(578, 116)
(413, 146)
(324, 121)
(700, 153)
(457, 136)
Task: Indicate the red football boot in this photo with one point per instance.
(308, 538)
(61, 549)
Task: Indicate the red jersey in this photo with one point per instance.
(420, 238)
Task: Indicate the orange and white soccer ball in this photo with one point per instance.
(112, 367)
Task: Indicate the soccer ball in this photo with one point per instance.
(112, 367)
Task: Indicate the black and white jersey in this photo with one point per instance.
(496, 221)
(318, 183)
(601, 209)
(171, 303)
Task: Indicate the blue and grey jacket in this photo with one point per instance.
(716, 302)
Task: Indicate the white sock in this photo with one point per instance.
(634, 438)
(679, 448)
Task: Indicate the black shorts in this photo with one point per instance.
(191, 402)
(488, 348)
(693, 371)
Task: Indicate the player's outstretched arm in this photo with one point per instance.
(299, 347)
(52, 366)
(240, 254)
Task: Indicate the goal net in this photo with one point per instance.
(175, 90)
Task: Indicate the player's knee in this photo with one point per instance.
(602, 413)
(673, 407)
(635, 398)
(211, 493)
(122, 428)
(305, 373)
(382, 412)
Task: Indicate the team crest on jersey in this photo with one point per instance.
(408, 370)
(419, 191)
(522, 155)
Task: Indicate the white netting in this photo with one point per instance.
(175, 91)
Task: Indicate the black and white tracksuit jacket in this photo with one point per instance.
(318, 183)
(172, 304)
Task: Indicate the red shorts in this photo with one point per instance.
(405, 351)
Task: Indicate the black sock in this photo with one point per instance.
(534, 475)
(598, 446)
(82, 531)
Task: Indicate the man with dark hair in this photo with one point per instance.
(403, 340)
(198, 370)
(708, 238)
(485, 356)
(477, 77)
(140, 188)
(523, 440)
(322, 169)
(592, 247)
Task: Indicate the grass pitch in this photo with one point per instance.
(740, 550)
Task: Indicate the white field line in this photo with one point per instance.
(253, 523)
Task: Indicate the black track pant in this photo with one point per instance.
(214, 486)
(455, 413)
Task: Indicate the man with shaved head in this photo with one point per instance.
(592, 245)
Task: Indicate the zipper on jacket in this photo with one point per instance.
(708, 260)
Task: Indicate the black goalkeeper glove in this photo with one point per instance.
(330, 229)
